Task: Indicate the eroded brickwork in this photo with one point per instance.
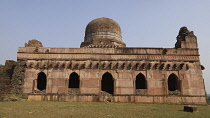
(18, 77)
(6, 72)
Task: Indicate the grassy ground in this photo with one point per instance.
(24, 109)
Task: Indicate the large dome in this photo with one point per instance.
(103, 25)
(103, 32)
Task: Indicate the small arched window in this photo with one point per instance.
(107, 83)
(173, 82)
(74, 80)
(141, 82)
(41, 81)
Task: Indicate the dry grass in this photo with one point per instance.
(24, 109)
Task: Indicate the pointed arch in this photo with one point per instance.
(107, 83)
(41, 81)
(173, 82)
(74, 80)
(141, 82)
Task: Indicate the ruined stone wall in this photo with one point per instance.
(11, 78)
(6, 72)
(18, 77)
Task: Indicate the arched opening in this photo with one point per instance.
(107, 83)
(41, 81)
(74, 80)
(141, 82)
(173, 82)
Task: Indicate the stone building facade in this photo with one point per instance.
(104, 69)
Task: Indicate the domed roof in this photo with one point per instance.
(103, 25)
(103, 33)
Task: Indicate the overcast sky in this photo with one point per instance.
(144, 23)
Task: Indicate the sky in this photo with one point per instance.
(144, 23)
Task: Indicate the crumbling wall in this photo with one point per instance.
(18, 78)
(6, 72)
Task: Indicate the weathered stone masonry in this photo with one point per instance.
(104, 69)
(6, 72)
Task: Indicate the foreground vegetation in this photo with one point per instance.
(26, 109)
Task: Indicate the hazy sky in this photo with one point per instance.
(144, 23)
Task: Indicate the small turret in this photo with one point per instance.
(186, 39)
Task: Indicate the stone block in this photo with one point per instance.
(190, 108)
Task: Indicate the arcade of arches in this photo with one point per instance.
(107, 83)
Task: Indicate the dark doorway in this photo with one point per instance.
(74, 80)
(141, 82)
(41, 81)
(173, 82)
(107, 83)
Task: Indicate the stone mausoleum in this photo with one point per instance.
(104, 69)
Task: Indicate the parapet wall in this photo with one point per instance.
(127, 50)
(107, 54)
